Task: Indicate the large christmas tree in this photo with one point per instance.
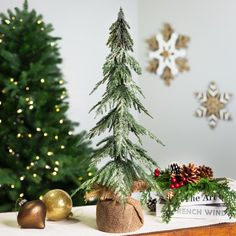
(39, 150)
(129, 163)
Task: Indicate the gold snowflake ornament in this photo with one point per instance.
(168, 54)
(213, 105)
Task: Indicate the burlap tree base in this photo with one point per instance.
(113, 217)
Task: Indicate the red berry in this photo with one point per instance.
(157, 172)
(172, 186)
(184, 179)
(173, 180)
(177, 185)
(181, 183)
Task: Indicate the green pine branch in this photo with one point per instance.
(118, 176)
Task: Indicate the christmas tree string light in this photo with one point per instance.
(35, 131)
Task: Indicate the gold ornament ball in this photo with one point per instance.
(31, 214)
(58, 204)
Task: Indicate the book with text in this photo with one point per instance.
(198, 212)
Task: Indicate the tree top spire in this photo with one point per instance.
(25, 5)
(121, 14)
(119, 37)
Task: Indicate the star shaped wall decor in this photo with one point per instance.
(213, 105)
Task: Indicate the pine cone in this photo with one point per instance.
(205, 172)
(191, 173)
(151, 204)
(174, 169)
(169, 194)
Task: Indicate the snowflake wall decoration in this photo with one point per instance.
(168, 54)
(213, 105)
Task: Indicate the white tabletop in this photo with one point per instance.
(83, 223)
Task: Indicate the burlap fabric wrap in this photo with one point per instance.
(113, 217)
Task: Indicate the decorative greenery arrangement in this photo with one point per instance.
(182, 183)
(129, 162)
(39, 148)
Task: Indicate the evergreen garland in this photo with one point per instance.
(207, 185)
(211, 188)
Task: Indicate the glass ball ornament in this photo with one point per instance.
(58, 204)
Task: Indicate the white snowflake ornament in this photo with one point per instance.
(168, 54)
(213, 105)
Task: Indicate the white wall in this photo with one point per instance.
(211, 24)
(84, 28)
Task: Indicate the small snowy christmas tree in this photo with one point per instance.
(129, 162)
